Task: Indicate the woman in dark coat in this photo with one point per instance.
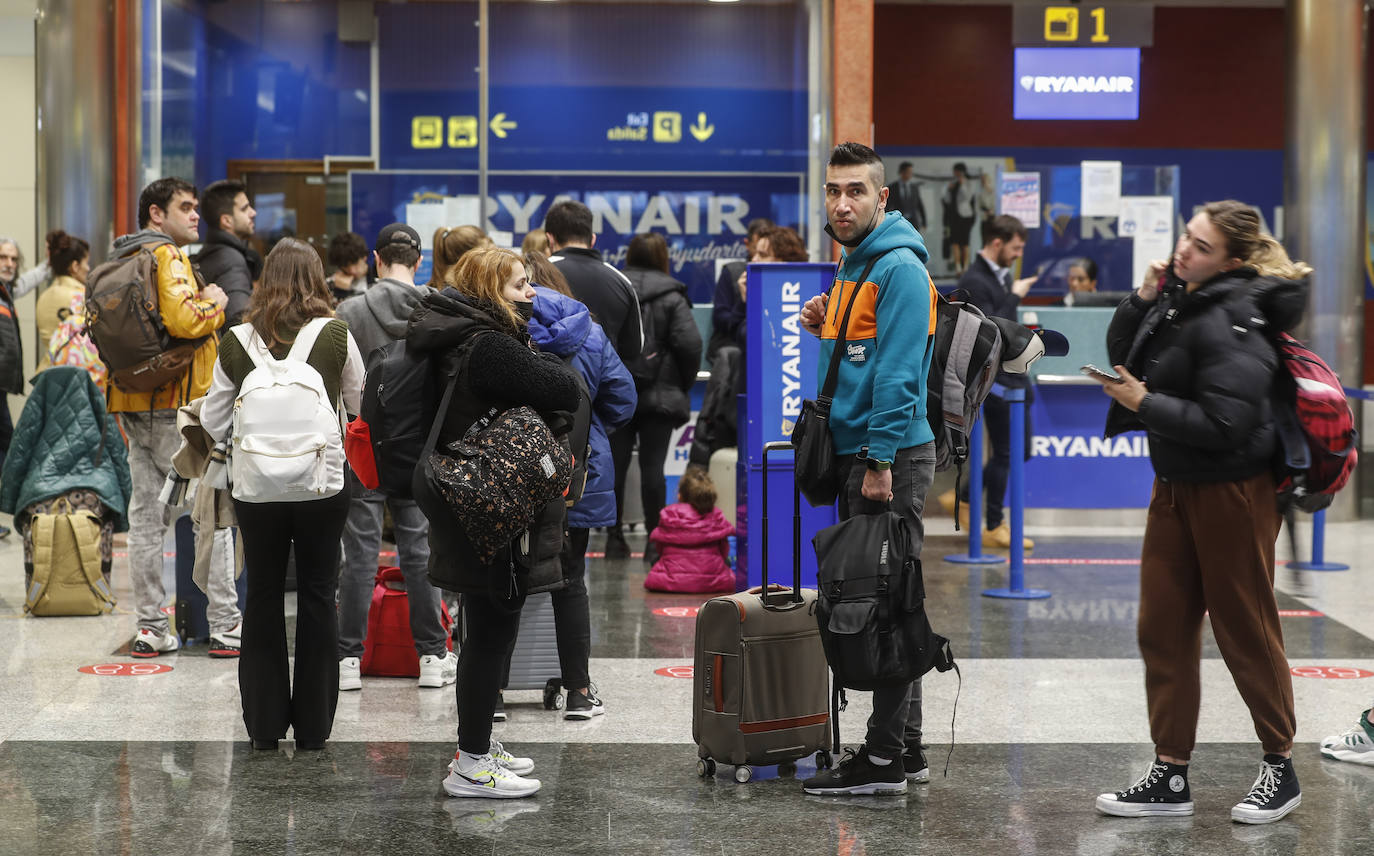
(1193, 348)
(663, 375)
(493, 294)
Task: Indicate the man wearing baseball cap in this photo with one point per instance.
(376, 318)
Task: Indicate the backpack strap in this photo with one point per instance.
(832, 374)
(253, 345)
(41, 530)
(306, 336)
(86, 533)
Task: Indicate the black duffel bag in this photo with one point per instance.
(871, 604)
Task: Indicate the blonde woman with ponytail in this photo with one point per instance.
(1193, 349)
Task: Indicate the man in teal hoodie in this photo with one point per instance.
(878, 418)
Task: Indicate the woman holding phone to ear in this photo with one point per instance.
(1193, 349)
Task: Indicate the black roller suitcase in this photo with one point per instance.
(760, 691)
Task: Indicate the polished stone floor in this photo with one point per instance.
(1050, 711)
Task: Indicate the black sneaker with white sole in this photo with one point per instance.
(498, 714)
(857, 774)
(1274, 794)
(914, 763)
(1161, 792)
(583, 705)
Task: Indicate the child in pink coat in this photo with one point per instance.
(691, 540)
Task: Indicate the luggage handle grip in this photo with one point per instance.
(778, 446)
(776, 605)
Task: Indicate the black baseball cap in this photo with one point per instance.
(398, 233)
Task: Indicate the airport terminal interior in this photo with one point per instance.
(1102, 127)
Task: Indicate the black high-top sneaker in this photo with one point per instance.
(1161, 792)
(914, 763)
(1274, 794)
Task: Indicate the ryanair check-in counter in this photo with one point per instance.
(1072, 466)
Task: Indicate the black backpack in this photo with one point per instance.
(644, 367)
(398, 394)
(871, 604)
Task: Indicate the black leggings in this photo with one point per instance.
(490, 626)
(271, 703)
(654, 433)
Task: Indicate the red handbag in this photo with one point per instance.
(388, 648)
(358, 450)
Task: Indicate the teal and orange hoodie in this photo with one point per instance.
(880, 398)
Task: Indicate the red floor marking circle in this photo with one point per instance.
(1300, 613)
(1339, 673)
(125, 670)
(678, 611)
(676, 671)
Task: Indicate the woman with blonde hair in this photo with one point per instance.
(451, 244)
(475, 332)
(1193, 350)
(286, 304)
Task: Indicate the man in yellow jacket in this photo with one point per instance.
(168, 221)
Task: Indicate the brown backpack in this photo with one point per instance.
(125, 322)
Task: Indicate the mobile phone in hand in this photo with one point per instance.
(1098, 374)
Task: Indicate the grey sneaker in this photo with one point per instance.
(1355, 745)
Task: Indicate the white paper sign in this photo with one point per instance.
(425, 217)
(1149, 222)
(461, 211)
(1101, 189)
(1019, 196)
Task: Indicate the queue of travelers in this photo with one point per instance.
(555, 329)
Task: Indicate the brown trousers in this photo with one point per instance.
(1210, 548)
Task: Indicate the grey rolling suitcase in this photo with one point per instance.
(534, 661)
(760, 692)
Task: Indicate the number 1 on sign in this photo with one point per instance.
(1100, 25)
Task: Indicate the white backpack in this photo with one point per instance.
(288, 436)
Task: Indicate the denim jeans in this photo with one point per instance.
(362, 538)
(896, 718)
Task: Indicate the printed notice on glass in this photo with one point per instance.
(1101, 191)
(1149, 222)
(1019, 196)
(424, 218)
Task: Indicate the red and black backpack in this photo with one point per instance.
(1318, 442)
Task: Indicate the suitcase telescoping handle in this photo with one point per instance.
(796, 532)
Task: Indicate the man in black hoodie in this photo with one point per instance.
(614, 305)
(226, 259)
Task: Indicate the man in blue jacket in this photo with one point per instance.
(878, 419)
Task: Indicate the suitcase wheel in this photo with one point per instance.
(706, 768)
(823, 759)
(787, 769)
(743, 773)
(553, 695)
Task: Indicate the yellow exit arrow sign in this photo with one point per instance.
(500, 125)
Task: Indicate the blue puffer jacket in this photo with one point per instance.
(563, 326)
(56, 444)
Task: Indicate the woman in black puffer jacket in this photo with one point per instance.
(663, 373)
(1194, 349)
(493, 294)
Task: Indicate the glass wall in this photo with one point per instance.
(686, 118)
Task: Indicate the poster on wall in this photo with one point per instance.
(1101, 189)
(1149, 222)
(1019, 195)
(956, 194)
(704, 217)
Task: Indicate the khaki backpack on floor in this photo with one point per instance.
(66, 565)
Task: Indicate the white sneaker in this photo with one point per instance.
(1355, 745)
(483, 776)
(517, 765)
(226, 643)
(150, 644)
(438, 671)
(350, 673)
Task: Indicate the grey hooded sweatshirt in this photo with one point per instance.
(379, 316)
